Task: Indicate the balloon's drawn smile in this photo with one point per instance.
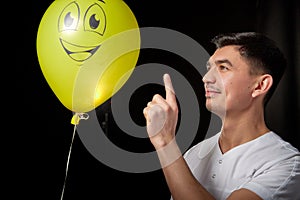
(77, 52)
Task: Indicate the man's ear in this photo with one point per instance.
(263, 84)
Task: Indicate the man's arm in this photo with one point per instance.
(181, 182)
(244, 194)
(161, 115)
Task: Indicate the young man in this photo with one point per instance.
(245, 160)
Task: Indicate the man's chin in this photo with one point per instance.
(217, 110)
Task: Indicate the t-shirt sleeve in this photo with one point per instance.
(280, 181)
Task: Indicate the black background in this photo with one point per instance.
(39, 125)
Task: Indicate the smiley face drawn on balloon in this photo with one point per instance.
(88, 22)
(87, 50)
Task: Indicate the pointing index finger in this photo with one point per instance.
(170, 93)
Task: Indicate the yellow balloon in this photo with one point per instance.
(87, 50)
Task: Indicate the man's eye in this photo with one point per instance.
(221, 67)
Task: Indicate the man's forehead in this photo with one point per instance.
(227, 49)
(225, 53)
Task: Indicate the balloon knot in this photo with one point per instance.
(78, 116)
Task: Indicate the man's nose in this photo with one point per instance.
(209, 77)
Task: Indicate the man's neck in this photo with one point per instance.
(240, 129)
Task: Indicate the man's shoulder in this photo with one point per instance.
(204, 147)
(277, 143)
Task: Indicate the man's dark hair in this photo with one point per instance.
(261, 52)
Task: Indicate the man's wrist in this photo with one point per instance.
(169, 153)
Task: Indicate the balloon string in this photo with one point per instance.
(67, 167)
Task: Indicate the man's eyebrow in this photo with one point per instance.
(226, 61)
(218, 62)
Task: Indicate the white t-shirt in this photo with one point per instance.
(268, 166)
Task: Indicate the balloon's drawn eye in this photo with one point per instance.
(94, 23)
(95, 19)
(69, 17)
(69, 20)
